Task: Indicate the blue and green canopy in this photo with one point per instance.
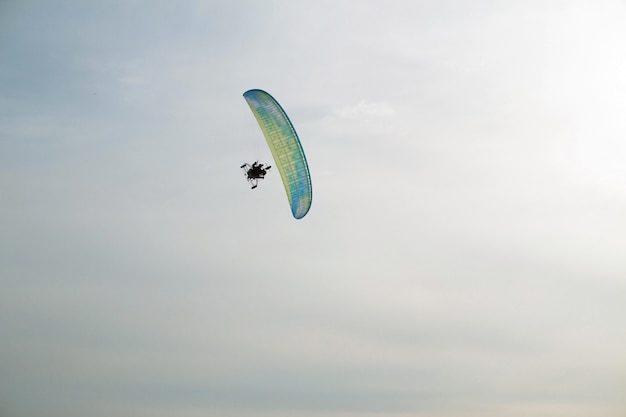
(286, 149)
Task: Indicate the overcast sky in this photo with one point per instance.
(464, 256)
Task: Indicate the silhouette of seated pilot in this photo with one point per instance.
(255, 172)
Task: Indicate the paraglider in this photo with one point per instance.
(286, 149)
(255, 172)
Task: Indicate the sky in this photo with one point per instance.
(464, 254)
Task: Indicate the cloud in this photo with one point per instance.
(365, 109)
(366, 118)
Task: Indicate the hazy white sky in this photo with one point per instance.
(464, 255)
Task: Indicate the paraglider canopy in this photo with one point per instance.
(286, 149)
